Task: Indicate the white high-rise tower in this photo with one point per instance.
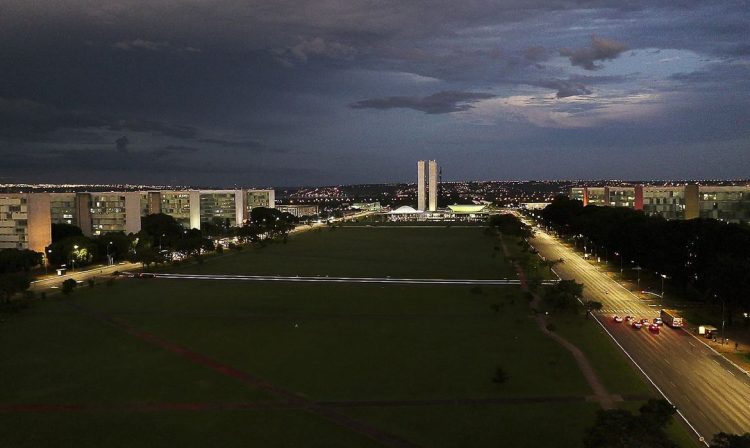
(427, 185)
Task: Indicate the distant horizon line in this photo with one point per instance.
(128, 186)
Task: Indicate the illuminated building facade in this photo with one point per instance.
(298, 210)
(724, 203)
(25, 221)
(428, 178)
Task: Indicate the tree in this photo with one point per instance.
(619, 428)
(147, 256)
(724, 440)
(80, 249)
(509, 224)
(63, 231)
(68, 286)
(13, 283)
(16, 260)
(160, 230)
(592, 305)
(563, 296)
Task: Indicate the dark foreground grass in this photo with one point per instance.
(429, 252)
(355, 342)
(348, 344)
(518, 425)
(185, 429)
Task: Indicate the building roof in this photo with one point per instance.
(470, 208)
(403, 210)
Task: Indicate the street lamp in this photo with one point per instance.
(723, 321)
(619, 255)
(663, 276)
(638, 270)
(73, 257)
(109, 258)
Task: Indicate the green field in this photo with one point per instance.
(410, 361)
(427, 252)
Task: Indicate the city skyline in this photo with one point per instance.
(325, 93)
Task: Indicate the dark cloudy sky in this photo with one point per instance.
(292, 92)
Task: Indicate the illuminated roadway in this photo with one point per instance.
(327, 279)
(709, 391)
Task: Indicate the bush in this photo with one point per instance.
(500, 377)
(68, 286)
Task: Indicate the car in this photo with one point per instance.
(637, 325)
(658, 321)
(654, 328)
(628, 318)
(645, 321)
(616, 318)
(146, 275)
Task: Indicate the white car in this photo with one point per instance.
(616, 319)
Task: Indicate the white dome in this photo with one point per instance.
(404, 210)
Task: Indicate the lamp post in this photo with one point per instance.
(638, 270)
(663, 277)
(619, 255)
(723, 322)
(109, 258)
(73, 257)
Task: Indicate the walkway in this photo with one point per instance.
(605, 399)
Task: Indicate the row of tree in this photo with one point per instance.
(707, 256)
(160, 236)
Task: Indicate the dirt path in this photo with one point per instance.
(601, 395)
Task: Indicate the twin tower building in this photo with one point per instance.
(428, 176)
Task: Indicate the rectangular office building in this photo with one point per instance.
(115, 211)
(260, 198)
(25, 221)
(222, 206)
(64, 208)
(667, 202)
(725, 203)
(298, 210)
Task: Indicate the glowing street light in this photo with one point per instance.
(73, 257)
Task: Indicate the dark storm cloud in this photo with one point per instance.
(535, 53)
(438, 103)
(566, 88)
(250, 144)
(601, 49)
(147, 45)
(233, 78)
(121, 144)
(32, 121)
(180, 148)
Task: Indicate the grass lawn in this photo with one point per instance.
(428, 252)
(516, 425)
(187, 429)
(355, 342)
(324, 342)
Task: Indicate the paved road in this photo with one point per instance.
(327, 279)
(711, 393)
(54, 281)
